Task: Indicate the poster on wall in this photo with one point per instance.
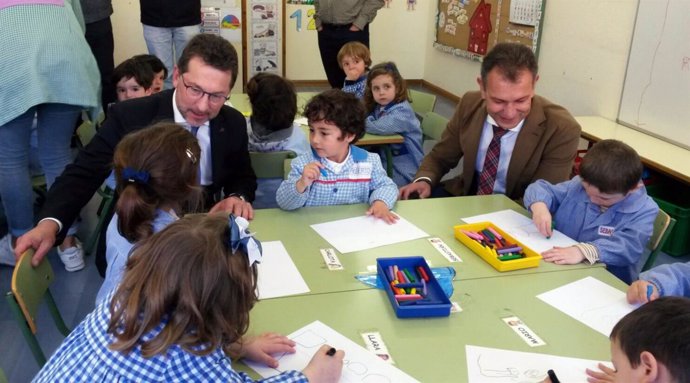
(265, 40)
(470, 28)
(223, 21)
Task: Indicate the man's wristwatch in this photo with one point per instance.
(238, 195)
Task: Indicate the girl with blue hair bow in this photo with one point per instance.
(180, 313)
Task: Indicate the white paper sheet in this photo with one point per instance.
(278, 275)
(590, 301)
(505, 366)
(523, 230)
(360, 365)
(366, 232)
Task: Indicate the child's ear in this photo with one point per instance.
(348, 137)
(148, 91)
(649, 366)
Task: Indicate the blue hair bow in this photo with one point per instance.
(240, 237)
(132, 175)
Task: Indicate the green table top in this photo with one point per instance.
(435, 216)
(433, 349)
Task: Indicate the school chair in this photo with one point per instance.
(663, 225)
(433, 125)
(85, 132)
(271, 164)
(422, 102)
(29, 288)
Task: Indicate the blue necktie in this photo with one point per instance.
(194, 130)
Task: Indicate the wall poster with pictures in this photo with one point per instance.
(470, 28)
(266, 48)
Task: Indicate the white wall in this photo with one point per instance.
(582, 59)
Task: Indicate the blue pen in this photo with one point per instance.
(650, 290)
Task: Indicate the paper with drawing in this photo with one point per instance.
(366, 232)
(505, 366)
(523, 230)
(359, 364)
(278, 275)
(590, 301)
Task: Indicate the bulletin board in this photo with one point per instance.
(470, 28)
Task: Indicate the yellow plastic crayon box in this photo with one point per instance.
(531, 258)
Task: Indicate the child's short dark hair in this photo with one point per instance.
(612, 167)
(344, 110)
(188, 277)
(165, 157)
(154, 62)
(354, 49)
(273, 99)
(131, 68)
(510, 59)
(214, 51)
(661, 327)
(389, 68)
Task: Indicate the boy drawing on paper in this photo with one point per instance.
(606, 209)
(336, 172)
(651, 344)
(665, 280)
(354, 59)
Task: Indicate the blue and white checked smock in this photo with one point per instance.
(619, 234)
(45, 59)
(356, 87)
(670, 279)
(399, 118)
(84, 357)
(361, 180)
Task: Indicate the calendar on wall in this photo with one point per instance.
(470, 28)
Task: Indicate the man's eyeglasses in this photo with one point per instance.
(197, 93)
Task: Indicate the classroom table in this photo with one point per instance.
(656, 154)
(436, 216)
(433, 349)
(240, 101)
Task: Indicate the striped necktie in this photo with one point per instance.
(487, 177)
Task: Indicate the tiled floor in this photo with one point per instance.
(75, 294)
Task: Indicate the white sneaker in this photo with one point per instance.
(72, 257)
(6, 251)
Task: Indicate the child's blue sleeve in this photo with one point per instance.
(287, 196)
(670, 279)
(398, 120)
(382, 187)
(543, 191)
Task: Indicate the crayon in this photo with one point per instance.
(408, 285)
(423, 273)
(510, 249)
(407, 297)
(650, 291)
(472, 235)
(323, 172)
(495, 233)
(409, 276)
(509, 257)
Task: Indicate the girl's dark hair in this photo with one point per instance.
(381, 69)
(273, 99)
(169, 155)
(341, 109)
(137, 69)
(186, 277)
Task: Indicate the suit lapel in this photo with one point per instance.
(472, 136)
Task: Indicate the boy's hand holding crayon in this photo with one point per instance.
(541, 216)
(642, 291)
(379, 209)
(311, 172)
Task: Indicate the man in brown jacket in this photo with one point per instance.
(539, 139)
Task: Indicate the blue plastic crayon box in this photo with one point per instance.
(419, 295)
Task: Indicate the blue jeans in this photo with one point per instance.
(55, 127)
(162, 42)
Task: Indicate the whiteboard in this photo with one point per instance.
(656, 91)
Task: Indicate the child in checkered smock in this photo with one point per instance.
(180, 314)
(336, 172)
(390, 112)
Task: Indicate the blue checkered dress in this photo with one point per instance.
(84, 357)
(399, 118)
(361, 180)
(356, 87)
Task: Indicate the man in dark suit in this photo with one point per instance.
(534, 138)
(205, 73)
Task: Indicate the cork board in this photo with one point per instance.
(470, 28)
